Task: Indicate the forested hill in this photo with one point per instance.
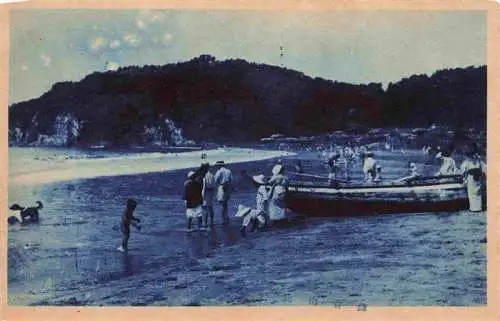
(233, 100)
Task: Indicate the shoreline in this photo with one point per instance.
(128, 164)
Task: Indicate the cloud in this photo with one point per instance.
(114, 44)
(131, 40)
(111, 66)
(140, 24)
(98, 43)
(151, 16)
(167, 39)
(156, 17)
(46, 60)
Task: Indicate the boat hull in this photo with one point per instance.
(324, 201)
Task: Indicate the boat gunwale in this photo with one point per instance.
(375, 189)
(409, 185)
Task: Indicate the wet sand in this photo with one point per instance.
(69, 258)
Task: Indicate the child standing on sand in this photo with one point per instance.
(127, 219)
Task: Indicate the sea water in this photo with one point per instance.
(70, 257)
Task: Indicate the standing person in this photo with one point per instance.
(277, 193)
(378, 174)
(349, 159)
(127, 219)
(192, 199)
(298, 170)
(473, 170)
(333, 166)
(369, 167)
(224, 180)
(448, 166)
(208, 194)
(298, 167)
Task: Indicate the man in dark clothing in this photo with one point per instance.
(193, 199)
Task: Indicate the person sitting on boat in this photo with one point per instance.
(277, 193)
(448, 166)
(369, 167)
(412, 173)
(258, 216)
(474, 169)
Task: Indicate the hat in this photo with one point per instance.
(261, 179)
(368, 154)
(277, 169)
(439, 155)
(242, 210)
(191, 174)
(334, 155)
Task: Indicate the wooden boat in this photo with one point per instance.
(424, 194)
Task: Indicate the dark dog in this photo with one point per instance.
(26, 213)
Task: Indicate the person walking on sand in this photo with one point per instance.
(224, 181)
(192, 199)
(127, 219)
(208, 194)
(473, 169)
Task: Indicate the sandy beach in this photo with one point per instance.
(69, 169)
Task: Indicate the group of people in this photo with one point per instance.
(270, 201)
(201, 188)
(473, 170)
(342, 158)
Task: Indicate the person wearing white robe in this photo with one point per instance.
(279, 184)
(208, 194)
(473, 169)
(448, 166)
(369, 167)
(223, 178)
(257, 216)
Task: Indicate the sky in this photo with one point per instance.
(49, 46)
